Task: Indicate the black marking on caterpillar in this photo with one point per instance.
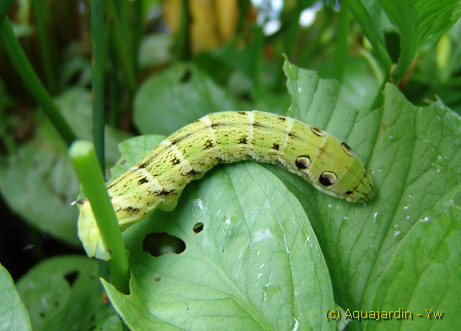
(131, 210)
(165, 193)
(243, 140)
(318, 132)
(208, 144)
(193, 172)
(142, 181)
(175, 161)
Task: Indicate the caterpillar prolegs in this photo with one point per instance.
(158, 179)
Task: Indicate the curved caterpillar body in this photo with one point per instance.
(158, 179)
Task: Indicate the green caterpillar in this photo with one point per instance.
(158, 179)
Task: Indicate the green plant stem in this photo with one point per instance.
(121, 46)
(5, 6)
(115, 88)
(97, 65)
(340, 55)
(408, 45)
(45, 39)
(24, 68)
(405, 60)
(181, 47)
(86, 166)
(138, 30)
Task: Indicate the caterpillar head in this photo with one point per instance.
(335, 169)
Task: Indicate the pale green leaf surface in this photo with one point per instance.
(13, 313)
(181, 94)
(43, 196)
(427, 265)
(359, 86)
(255, 265)
(63, 294)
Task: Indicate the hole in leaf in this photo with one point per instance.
(198, 227)
(158, 244)
(187, 76)
(157, 279)
(71, 277)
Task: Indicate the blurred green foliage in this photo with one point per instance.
(165, 63)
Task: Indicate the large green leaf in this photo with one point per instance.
(414, 155)
(374, 251)
(255, 264)
(13, 313)
(424, 273)
(62, 294)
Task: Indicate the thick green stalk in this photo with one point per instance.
(46, 41)
(24, 68)
(87, 168)
(405, 59)
(97, 65)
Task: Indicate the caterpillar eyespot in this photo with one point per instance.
(303, 162)
(347, 149)
(158, 179)
(318, 132)
(328, 178)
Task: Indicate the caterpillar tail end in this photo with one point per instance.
(368, 188)
(370, 194)
(88, 233)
